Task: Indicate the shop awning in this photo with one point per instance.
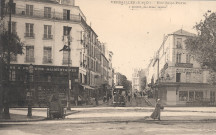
(87, 87)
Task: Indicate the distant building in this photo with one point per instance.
(175, 75)
(137, 76)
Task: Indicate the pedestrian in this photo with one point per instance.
(135, 95)
(107, 98)
(157, 110)
(129, 97)
(104, 99)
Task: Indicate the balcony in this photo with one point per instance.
(47, 61)
(66, 38)
(29, 60)
(184, 65)
(29, 35)
(51, 15)
(47, 37)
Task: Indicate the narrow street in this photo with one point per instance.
(119, 121)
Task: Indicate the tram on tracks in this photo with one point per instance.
(119, 96)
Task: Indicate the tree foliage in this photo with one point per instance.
(203, 46)
(124, 82)
(11, 44)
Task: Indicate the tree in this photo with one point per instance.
(124, 82)
(203, 46)
(10, 45)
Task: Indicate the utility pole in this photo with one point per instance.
(67, 48)
(157, 87)
(69, 76)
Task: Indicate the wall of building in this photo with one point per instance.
(83, 40)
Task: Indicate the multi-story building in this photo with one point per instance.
(60, 49)
(135, 81)
(110, 70)
(179, 79)
(137, 78)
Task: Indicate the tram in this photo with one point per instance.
(119, 96)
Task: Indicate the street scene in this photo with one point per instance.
(107, 67)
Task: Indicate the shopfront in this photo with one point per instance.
(41, 83)
(187, 94)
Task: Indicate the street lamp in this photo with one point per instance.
(29, 92)
(69, 76)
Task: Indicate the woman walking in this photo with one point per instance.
(157, 111)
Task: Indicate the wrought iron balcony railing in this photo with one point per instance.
(49, 15)
(47, 36)
(29, 59)
(30, 35)
(66, 62)
(47, 61)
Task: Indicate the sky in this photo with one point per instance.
(135, 34)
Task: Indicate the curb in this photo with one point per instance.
(33, 120)
(71, 113)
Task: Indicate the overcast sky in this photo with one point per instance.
(134, 35)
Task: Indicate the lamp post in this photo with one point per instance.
(69, 76)
(29, 92)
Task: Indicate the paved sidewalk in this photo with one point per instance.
(38, 114)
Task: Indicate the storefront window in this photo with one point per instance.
(191, 96)
(183, 95)
(198, 95)
(12, 75)
(212, 96)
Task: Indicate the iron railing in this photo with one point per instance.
(47, 60)
(30, 35)
(51, 15)
(46, 36)
(66, 62)
(29, 59)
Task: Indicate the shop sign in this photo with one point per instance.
(44, 68)
(184, 65)
(61, 69)
(188, 70)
